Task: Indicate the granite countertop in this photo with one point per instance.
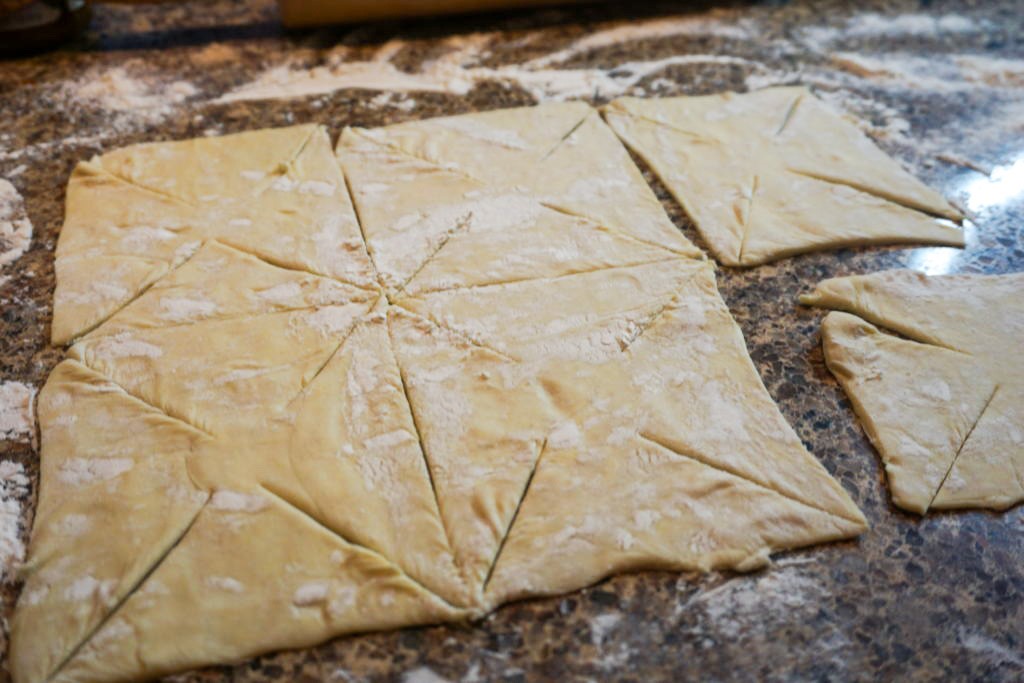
(940, 85)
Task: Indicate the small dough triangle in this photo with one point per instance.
(917, 402)
(482, 419)
(582, 315)
(220, 282)
(357, 455)
(243, 370)
(545, 244)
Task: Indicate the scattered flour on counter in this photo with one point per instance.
(13, 492)
(935, 73)
(423, 675)
(16, 421)
(601, 626)
(872, 25)
(668, 27)
(459, 70)
(748, 603)
(989, 649)
(116, 90)
(15, 227)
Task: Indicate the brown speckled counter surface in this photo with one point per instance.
(940, 85)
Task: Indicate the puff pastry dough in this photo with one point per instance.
(775, 173)
(944, 406)
(511, 376)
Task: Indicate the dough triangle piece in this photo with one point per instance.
(546, 244)
(585, 315)
(731, 420)
(220, 282)
(218, 161)
(917, 402)
(979, 318)
(954, 311)
(115, 495)
(613, 501)
(783, 218)
(357, 454)
(82, 301)
(407, 221)
(264, 577)
(244, 370)
(591, 174)
(732, 158)
(277, 193)
(491, 146)
(482, 420)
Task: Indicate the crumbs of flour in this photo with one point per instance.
(13, 492)
(15, 227)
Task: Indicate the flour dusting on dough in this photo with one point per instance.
(308, 594)
(122, 345)
(225, 583)
(233, 501)
(85, 471)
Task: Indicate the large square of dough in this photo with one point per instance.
(511, 376)
(775, 173)
(945, 405)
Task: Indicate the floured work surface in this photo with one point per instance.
(945, 405)
(775, 173)
(510, 377)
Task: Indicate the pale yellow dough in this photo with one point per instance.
(511, 376)
(775, 173)
(944, 407)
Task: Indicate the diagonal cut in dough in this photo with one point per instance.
(775, 173)
(944, 410)
(329, 426)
